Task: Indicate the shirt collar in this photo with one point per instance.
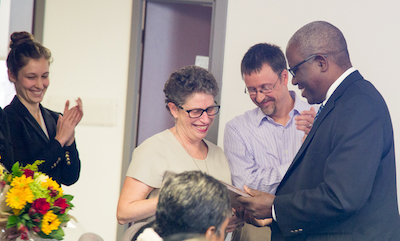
(335, 84)
(298, 107)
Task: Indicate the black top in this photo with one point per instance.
(6, 153)
(30, 143)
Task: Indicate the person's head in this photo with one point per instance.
(185, 237)
(188, 92)
(264, 72)
(28, 67)
(193, 202)
(317, 54)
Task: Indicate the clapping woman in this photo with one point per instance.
(38, 133)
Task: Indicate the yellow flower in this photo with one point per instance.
(16, 211)
(50, 183)
(21, 181)
(17, 198)
(50, 222)
(1, 171)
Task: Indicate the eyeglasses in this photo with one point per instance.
(265, 88)
(296, 67)
(196, 113)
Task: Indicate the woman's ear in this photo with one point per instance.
(11, 76)
(173, 109)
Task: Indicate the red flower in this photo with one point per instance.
(22, 228)
(53, 192)
(36, 229)
(24, 231)
(31, 211)
(41, 205)
(24, 236)
(28, 173)
(62, 203)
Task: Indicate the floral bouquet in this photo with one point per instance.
(32, 203)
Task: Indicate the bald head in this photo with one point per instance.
(324, 38)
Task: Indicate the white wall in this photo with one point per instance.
(372, 31)
(89, 41)
(4, 28)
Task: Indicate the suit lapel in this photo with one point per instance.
(49, 121)
(324, 112)
(30, 120)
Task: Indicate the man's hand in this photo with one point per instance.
(248, 218)
(259, 205)
(234, 223)
(305, 121)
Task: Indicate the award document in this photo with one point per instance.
(234, 192)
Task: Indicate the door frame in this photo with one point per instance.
(216, 59)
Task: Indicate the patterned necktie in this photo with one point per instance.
(319, 111)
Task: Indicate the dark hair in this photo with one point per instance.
(185, 237)
(187, 81)
(261, 54)
(191, 202)
(23, 48)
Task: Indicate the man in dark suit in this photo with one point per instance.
(342, 183)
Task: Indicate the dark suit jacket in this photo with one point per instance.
(342, 182)
(30, 144)
(6, 154)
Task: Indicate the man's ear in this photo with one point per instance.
(322, 63)
(174, 110)
(11, 76)
(210, 233)
(285, 76)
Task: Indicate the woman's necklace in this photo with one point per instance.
(187, 150)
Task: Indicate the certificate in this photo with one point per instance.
(235, 192)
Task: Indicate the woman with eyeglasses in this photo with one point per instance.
(190, 97)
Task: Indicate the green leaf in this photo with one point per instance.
(55, 234)
(25, 216)
(55, 209)
(12, 221)
(16, 170)
(68, 197)
(58, 234)
(30, 225)
(64, 218)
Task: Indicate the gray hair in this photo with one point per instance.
(187, 81)
(191, 202)
(324, 38)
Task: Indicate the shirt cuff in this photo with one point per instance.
(273, 213)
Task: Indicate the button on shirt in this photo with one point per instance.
(260, 151)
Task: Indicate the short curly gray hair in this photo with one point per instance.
(187, 81)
